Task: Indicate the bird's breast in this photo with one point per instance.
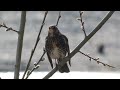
(56, 53)
(56, 48)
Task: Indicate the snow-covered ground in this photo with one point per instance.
(71, 75)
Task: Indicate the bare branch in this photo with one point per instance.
(96, 59)
(58, 18)
(19, 45)
(80, 45)
(41, 58)
(82, 23)
(36, 65)
(29, 72)
(37, 40)
(8, 28)
(87, 55)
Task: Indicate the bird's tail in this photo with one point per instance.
(64, 68)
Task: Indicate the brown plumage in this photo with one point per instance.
(57, 47)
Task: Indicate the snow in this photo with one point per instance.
(71, 75)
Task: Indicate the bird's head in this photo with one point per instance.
(53, 30)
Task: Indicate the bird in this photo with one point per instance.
(57, 47)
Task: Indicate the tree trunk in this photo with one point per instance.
(20, 44)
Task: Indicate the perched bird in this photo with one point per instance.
(57, 47)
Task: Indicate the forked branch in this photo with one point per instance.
(36, 65)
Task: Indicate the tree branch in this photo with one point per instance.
(58, 18)
(36, 66)
(82, 23)
(80, 45)
(8, 28)
(20, 44)
(96, 59)
(33, 50)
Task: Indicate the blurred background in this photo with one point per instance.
(105, 44)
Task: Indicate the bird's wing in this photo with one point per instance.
(47, 50)
(50, 60)
(67, 47)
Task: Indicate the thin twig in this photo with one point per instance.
(96, 59)
(82, 23)
(58, 18)
(33, 50)
(80, 45)
(29, 72)
(41, 58)
(36, 65)
(8, 28)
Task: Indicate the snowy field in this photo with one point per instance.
(71, 75)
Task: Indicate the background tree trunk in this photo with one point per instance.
(20, 44)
